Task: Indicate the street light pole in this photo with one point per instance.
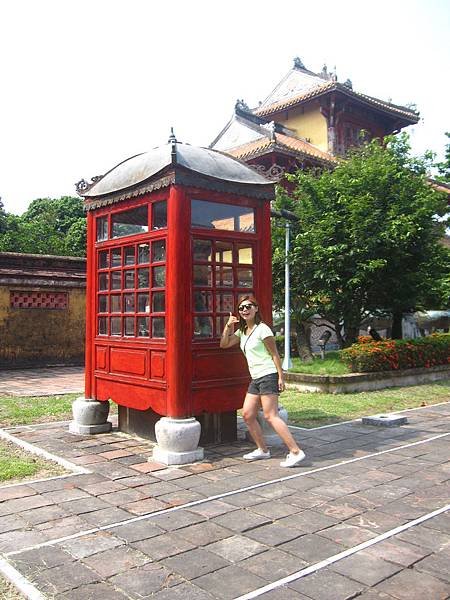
(287, 363)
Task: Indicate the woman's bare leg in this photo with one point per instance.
(252, 404)
(270, 408)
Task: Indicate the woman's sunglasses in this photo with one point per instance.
(245, 307)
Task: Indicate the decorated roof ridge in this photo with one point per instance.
(280, 141)
(334, 85)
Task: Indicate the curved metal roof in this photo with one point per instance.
(202, 161)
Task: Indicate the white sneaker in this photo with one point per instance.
(293, 459)
(257, 454)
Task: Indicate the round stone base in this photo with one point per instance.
(89, 417)
(177, 441)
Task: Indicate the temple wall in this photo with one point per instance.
(310, 124)
(42, 314)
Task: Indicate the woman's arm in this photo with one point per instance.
(269, 343)
(228, 338)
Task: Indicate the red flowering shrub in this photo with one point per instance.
(389, 355)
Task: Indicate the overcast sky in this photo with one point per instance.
(85, 84)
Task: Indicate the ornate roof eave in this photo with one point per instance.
(331, 86)
(274, 146)
(181, 176)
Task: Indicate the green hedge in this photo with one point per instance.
(368, 355)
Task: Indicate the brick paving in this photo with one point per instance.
(132, 528)
(46, 381)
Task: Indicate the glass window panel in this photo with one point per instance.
(128, 303)
(130, 222)
(245, 255)
(103, 259)
(143, 253)
(220, 325)
(129, 325)
(159, 215)
(102, 228)
(116, 280)
(143, 278)
(143, 324)
(103, 281)
(224, 252)
(159, 302)
(203, 302)
(215, 215)
(158, 327)
(224, 276)
(159, 251)
(116, 257)
(224, 303)
(128, 255)
(116, 326)
(128, 280)
(159, 276)
(102, 303)
(203, 327)
(203, 275)
(102, 326)
(245, 278)
(143, 303)
(202, 250)
(115, 303)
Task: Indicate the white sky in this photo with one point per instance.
(84, 84)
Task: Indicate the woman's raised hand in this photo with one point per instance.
(232, 320)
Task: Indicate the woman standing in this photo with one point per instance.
(258, 344)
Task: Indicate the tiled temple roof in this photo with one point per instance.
(281, 142)
(328, 86)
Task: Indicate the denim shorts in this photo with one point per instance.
(267, 385)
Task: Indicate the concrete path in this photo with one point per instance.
(367, 517)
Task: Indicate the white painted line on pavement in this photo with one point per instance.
(21, 583)
(332, 559)
(249, 488)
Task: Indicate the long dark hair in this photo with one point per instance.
(253, 300)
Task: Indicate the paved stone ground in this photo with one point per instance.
(131, 528)
(45, 381)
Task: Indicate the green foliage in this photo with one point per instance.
(330, 365)
(389, 355)
(315, 409)
(48, 226)
(444, 166)
(366, 239)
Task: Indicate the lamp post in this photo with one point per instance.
(288, 216)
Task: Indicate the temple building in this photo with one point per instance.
(308, 120)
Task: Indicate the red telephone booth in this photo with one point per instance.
(175, 235)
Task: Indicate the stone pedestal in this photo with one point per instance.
(272, 438)
(388, 420)
(177, 441)
(89, 417)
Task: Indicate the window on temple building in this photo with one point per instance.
(35, 299)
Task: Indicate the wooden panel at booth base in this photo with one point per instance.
(133, 395)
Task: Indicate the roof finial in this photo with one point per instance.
(298, 64)
(172, 139)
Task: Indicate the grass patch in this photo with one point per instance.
(310, 409)
(18, 410)
(8, 591)
(331, 365)
(24, 410)
(16, 464)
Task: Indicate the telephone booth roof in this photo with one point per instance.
(175, 163)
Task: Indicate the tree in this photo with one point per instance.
(48, 226)
(2, 217)
(367, 238)
(444, 166)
